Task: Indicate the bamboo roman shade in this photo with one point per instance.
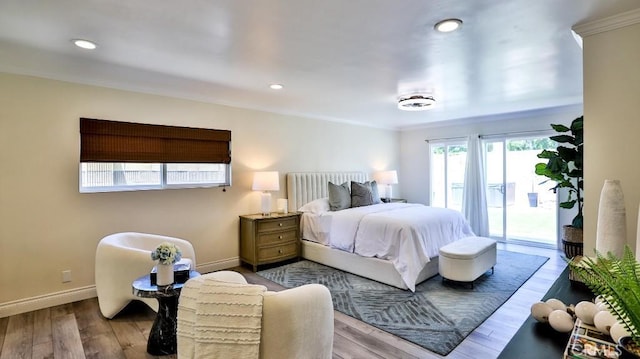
(114, 141)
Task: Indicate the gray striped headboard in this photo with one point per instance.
(304, 187)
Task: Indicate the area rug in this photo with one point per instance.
(438, 316)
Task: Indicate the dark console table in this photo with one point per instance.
(536, 340)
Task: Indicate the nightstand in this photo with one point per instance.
(269, 239)
(394, 200)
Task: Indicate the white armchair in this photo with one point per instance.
(296, 323)
(123, 257)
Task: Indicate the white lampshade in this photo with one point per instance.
(386, 177)
(266, 181)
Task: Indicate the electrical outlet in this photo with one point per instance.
(66, 276)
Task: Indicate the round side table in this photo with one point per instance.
(162, 338)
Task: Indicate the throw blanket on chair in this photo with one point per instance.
(219, 319)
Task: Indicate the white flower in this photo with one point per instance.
(167, 253)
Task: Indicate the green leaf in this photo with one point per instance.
(577, 221)
(563, 139)
(547, 154)
(567, 154)
(560, 128)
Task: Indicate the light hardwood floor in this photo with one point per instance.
(77, 330)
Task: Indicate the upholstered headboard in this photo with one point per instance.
(304, 187)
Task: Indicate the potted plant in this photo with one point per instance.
(564, 166)
(616, 280)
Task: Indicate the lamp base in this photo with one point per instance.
(266, 204)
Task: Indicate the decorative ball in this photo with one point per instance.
(540, 311)
(604, 320)
(585, 311)
(618, 331)
(561, 321)
(556, 304)
(602, 306)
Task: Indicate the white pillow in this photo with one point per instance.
(318, 206)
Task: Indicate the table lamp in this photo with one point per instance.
(265, 182)
(386, 178)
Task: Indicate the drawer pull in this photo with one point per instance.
(280, 251)
(279, 237)
(280, 224)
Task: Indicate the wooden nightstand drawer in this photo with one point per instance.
(277, 224)
(267, 239)
(277, 252)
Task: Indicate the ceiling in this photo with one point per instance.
(338, 60)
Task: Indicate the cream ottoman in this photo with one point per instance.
(467, 259)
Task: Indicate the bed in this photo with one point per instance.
(393, 243)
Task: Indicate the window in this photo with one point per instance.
(121, 156)
(111, 177)
(448, 161)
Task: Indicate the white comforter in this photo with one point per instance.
(405, 234)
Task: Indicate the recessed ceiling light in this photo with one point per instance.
(85, 44)
(416, 102)
(448, 25)
(276, 86)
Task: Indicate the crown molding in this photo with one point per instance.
(608, 23)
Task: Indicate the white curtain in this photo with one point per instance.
(474, 196)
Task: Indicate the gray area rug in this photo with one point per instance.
(438, 316)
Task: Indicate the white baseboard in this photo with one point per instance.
(218, 265)
(73, 295)
(46, 300)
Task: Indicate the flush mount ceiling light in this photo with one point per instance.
(276, 86)
(416, 102)
(84, 44)
(448, 25)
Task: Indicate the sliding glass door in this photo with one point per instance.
(448, 162)
(520, 207)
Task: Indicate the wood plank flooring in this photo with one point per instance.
(78, 330)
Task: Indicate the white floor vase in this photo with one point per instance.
(611, 234)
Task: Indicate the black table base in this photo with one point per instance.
(162, 338)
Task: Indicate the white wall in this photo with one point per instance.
(47, 226)
(612, 122)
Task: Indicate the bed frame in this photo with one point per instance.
(304, 187)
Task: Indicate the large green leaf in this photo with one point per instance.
(577, 221)
(547, 154)
(543, 170)
(560, 128)
(567, 154)
(563, 139)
